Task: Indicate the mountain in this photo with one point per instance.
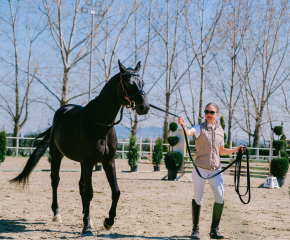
(146, 132)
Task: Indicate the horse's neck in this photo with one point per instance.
(107, 105)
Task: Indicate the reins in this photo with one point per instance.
(238, 165)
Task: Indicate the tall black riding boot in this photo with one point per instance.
(195, 220)
(216, 217)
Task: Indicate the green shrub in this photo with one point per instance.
(25, 152)
(278, 130)
(173, 140)
(3, 144)
(157, 153)
(284, 154)
(264, 152)
(11, 152)
(283, 137)
(222, 122)
(132, 155)
(165, 147)
(279, 144)
(173, 126)
(279, 167)
(173, 160)
(227, 145)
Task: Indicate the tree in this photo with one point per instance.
(202, 30)
(20, 66)
(234, 26)
(71, 42)
(269, 49)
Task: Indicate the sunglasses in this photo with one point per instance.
(211, 112)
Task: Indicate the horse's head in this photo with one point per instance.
(130, 90)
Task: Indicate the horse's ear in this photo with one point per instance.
(138, 66)
(122, 68)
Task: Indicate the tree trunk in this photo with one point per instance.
(64, 100)
(134, 125)
(15, 131)
(166, 120)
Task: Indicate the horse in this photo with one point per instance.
(87, 135)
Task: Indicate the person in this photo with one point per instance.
(209, 142)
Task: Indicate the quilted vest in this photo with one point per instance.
(207, 147)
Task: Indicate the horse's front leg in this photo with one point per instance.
(87, 196)
(110, 170)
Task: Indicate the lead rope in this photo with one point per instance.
(238, 165)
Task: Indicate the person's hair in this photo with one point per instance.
(214, 105)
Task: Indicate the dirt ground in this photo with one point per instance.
(149, 208)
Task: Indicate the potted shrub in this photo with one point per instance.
(157, 154)
(2, 146)
(133, 154)
(279, 169)
(173, 161)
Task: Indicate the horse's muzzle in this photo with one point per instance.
(142, 109)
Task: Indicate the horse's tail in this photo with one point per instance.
(33, 159)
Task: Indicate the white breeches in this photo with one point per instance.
(216, 183)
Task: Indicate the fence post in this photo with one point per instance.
(150, 150)
(231, 146)
(271, 151)
(123, 149)
(140, 148)
(17, 145)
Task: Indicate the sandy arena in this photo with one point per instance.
(149, 208)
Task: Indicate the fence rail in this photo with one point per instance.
(121, 147)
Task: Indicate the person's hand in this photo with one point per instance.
(181, 121)
(240, 147)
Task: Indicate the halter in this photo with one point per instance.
(132, 104)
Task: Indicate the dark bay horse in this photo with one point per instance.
(87, 135)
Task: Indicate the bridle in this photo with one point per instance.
(131, 104)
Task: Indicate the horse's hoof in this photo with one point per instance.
(57, 218)
(107, 226)
(87, 232)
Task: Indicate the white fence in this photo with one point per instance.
(140, 142)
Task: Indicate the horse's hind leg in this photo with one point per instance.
(109, 168)
(56, 158)
(86, 191)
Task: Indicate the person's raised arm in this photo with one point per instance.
(189, 132)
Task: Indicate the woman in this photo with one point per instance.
(209, 141)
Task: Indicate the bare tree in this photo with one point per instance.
(72, 42)
(270, 36)
(169, 31)
(22, 62)
(235, 23)
(202, 30)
